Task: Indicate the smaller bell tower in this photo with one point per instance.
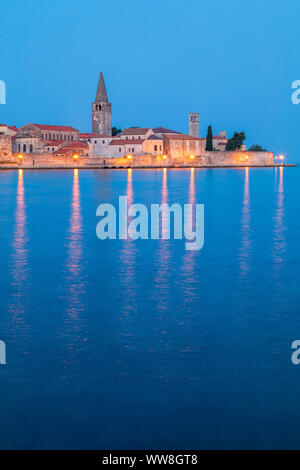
(194, 124)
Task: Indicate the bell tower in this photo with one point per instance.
(194, 124)
(101, 110)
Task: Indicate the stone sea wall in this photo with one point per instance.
(209, 159)
(5, 149)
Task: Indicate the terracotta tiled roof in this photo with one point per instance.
(182, 137)
(127, 142)
(75, 145)
(154, 137)
(219, 137)
(53, 143)
(47, 127)
(72, 147)
(25, 136)
(136, 131)
(12, 128)
(164, 130)
(88, 135)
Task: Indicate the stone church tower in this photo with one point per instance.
(101, 110)
(194, 124)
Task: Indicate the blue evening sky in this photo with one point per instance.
(231, 61)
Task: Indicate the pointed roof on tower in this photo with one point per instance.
(101, 95)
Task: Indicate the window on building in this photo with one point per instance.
(120, 150)
(103, 141)
(132, 150)
(31, 148)
(155, 148)
(24, 148)
(19, 148)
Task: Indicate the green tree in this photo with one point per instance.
(209, 140)
(256, 148)
(116, 131)
(236, 141)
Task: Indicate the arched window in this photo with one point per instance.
(31, 148)
(24, 148)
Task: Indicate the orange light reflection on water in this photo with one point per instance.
(245, 247)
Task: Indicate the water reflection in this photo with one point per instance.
(245, 247)
(74, 286)
(128, 261)
(189, 274)
(161, 280)
(74, 264)
(19, 265)
(279, 241)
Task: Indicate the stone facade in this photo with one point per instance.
(101, 111)
(208, 159)
(5, 148)
(180, 146)
(8, 130)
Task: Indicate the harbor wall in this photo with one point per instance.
(209, 159)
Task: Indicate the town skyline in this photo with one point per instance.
(150, 88)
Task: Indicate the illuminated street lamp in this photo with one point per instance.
(164, 157)
(129, 156)
(75, 156)
(192, 156)
(20, 158)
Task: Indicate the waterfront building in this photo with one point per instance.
(39, 138)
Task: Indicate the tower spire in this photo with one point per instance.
(101, 96)
(101, 110)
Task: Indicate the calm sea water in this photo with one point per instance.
(142, 344)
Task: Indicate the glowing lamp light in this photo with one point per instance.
(281, 157)
(246, 156)
(129, 156)
(75, 156)
(20, 156)
(164, 157)
(192, 156)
